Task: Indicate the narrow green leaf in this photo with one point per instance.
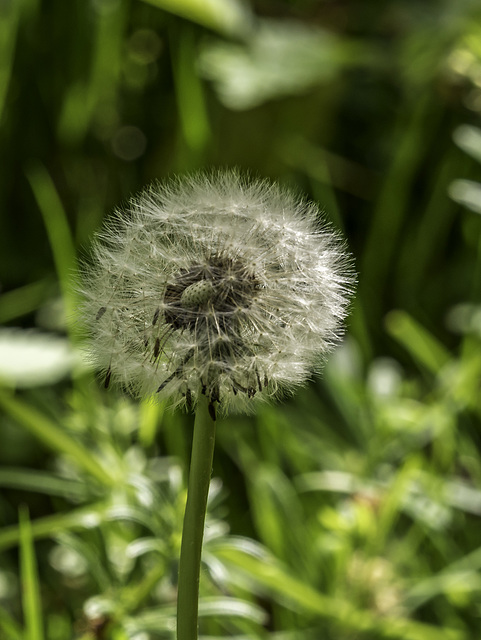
(416, 126)
(89, 555)
(58, 231)
(229, 17)
(194, 120)
(216, 606)
(30, 358)
(392, 501)
(432, 230)
(32, 608)
(54, 437)
(37, 481)
(136, 593)
(9, 628)
(468, 139)
(422, 345)
(161, 618)
(467, 193)
(465, 582)
(463, 573)
(84, 518)
(8, 35)
(23, 300)
(150, 416)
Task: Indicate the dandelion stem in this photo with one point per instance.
(194, 519)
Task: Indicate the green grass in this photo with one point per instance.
(349, 511)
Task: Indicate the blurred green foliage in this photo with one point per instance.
(351, 511)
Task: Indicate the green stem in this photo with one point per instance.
(194, 519)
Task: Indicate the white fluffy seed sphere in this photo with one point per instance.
(218, 285)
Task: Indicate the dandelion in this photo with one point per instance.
(213, 292)
(217, 286)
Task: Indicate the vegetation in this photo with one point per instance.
(351, 510)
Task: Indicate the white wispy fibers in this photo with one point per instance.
(215, 284)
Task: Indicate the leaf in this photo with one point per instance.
(55, 437)
(422, 345)
(37, 481)
(49, 526)
(280, 58)
(32, 608)
(9, 628)
(23, 300)
(467, 193)
(469, 140)
(219, 607)
(151, 414)
(31, 358)
(163, 618)
(58, 231)
(228, 17)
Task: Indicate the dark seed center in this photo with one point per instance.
(221, 287)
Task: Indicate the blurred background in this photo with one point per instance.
(350, 511)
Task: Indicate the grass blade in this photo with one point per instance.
(422, 345)
(229, 17)
(84, 518)
(39, 482)
(9, 628)
(54, 437)
(58, 231)
(32, 610)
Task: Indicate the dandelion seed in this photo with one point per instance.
(237, 284)
(156, 348)
(107, 378)
(188, 399)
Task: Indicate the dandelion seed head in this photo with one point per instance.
(218, 285)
